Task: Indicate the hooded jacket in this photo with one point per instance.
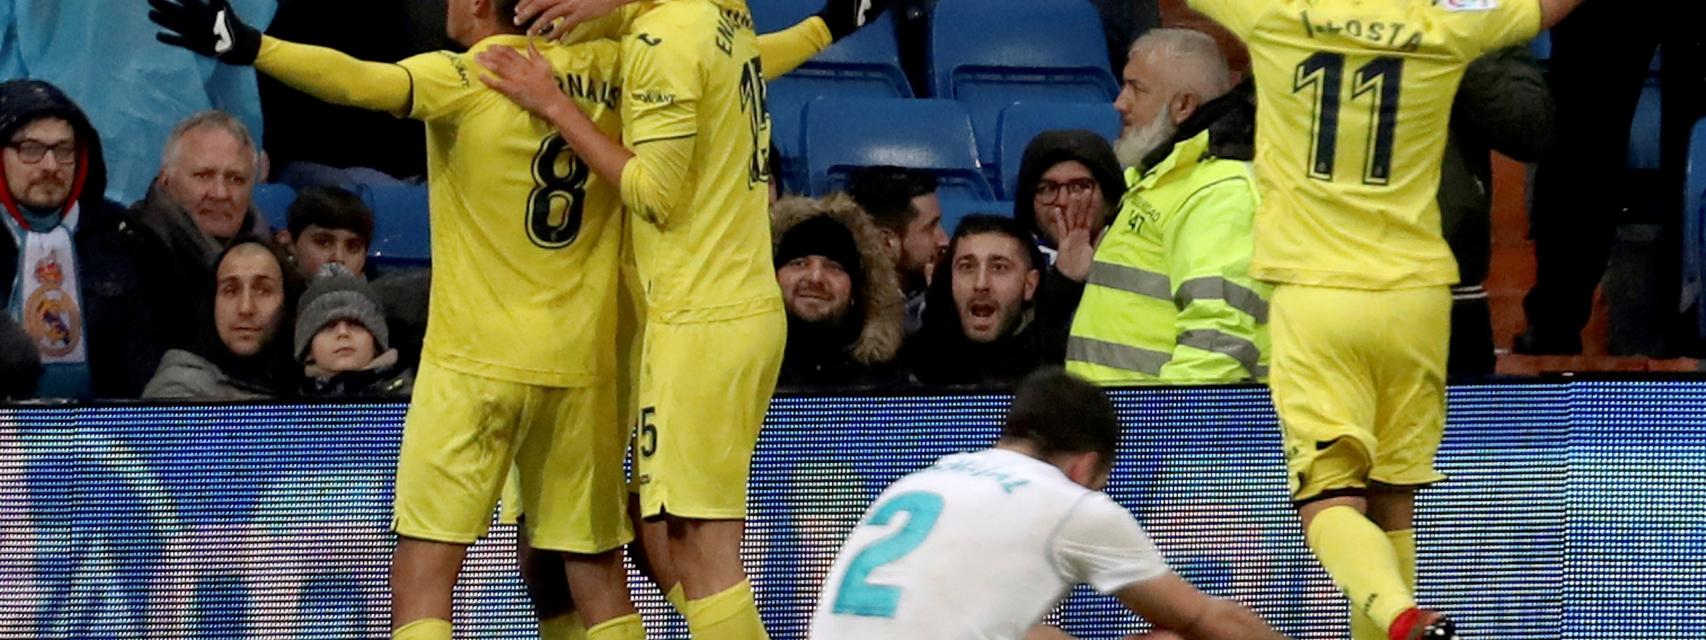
(860, 350)
(179, 254)
(119, 319)
(940, 354)
(1050, 148)
(208, 370)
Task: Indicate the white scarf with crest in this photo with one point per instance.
(46, 296)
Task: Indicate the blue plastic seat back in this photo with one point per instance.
(273, 200)
(956, 206)
(842, 135)
(1053, 40)
(402, 233)
(872, 55)
(1023, 121)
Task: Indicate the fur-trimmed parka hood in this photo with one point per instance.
(879, 300)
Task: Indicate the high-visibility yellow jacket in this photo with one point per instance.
(1169, 297)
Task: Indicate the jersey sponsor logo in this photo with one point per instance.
(1467, 5)
(649, 39)
(652, 97)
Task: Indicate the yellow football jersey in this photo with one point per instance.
(525, 239)
(1354, 102)
(691, 69)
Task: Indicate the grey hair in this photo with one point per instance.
(1195, 62)
(209, 119)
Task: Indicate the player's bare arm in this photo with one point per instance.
(1172, 604)
(1552, 11)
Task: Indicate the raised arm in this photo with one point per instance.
(213, 29)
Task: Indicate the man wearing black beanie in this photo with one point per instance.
(845, 313)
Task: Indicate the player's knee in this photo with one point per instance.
(547, 584)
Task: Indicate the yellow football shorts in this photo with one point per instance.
(465, 433)
(1358, 379)
(704, 390)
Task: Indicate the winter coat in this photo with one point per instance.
(180, 259)
(120, 320)
(385, 377)
(862, 349)
(185, 375)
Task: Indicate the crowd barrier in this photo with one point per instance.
(1574, 510)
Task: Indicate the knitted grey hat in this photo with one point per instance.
(336, 294)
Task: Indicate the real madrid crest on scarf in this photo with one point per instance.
(46, 299)
(51, 316)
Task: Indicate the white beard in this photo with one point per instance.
(1131, 148)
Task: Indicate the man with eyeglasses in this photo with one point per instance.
(1169, 298)
(68, 260)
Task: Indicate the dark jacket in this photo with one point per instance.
(207, 370)
(383, 378)
(20, 364)
(940, 354)
(180, 259)
(1502, 105)
(861, 350)
(120, 322)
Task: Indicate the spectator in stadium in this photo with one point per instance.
(20, 364)
(903, 203)
(198, 203)
(1170, 298)
(1065, 176)
(1503, 105)
(326, 225)
(69, 260)
(844, 309)
(980, 325)
(343, 342)
(239, 354)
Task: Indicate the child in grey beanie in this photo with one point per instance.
(343, 342)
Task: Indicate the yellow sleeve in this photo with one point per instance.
(1238, 16)
(652, 180)
(335, 77)
(442, 84)
(1486, 25)
(783, 51)
(662, 81)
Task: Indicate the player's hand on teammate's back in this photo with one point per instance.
(208, 27)
(843, 17)
(555, 18)
(525, 79)
(1078, 222)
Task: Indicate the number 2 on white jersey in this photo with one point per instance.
(856, 594)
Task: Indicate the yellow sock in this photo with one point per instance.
(1362, 562)
(423, 629)
(730, 615)
(1404, 544)
(677, 598)
(563, 627)
(1362, 628)
(627, 627)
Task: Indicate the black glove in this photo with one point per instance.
(843, 17)
(207, 27)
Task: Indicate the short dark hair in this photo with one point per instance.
(886, 194)
(982, 223)
(1061, 413)
(329, 208)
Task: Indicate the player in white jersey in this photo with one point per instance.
(982, 545)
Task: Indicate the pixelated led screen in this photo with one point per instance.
(1574, 510)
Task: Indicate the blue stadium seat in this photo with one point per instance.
(1694, 219)
(402, 235)
(842, 134)
(1644, 132)
(956, 207)
(274, 200)
(867, 64)
(989, 54)
(1022, 121)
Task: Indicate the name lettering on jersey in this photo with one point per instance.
(1007, 482)
(590, 90)
(1384, 33)
(730, 22)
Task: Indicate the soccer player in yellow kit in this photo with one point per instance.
(519, 359)
(695, 177)
(1355, 97)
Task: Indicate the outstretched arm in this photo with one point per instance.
(335, 77)
(1171, 603)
